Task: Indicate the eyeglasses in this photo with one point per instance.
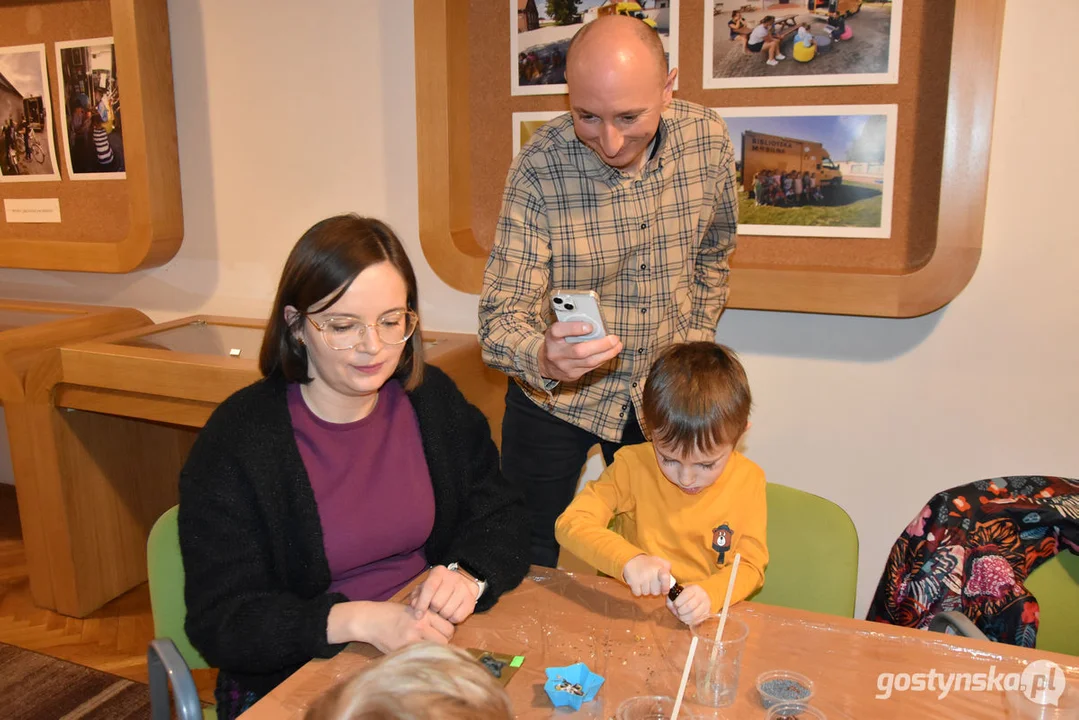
(345, 333)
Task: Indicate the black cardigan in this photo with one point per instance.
(256, 574)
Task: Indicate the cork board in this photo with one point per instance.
(948, 57)
(106, 225)
(921, 95)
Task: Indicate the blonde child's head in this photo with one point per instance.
(696, 407)
(424, 681)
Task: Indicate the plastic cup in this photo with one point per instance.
(794, 711)
(651, 707)
(717, 683)
(1020, 707)
(779, 687)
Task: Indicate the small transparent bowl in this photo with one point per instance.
(651, 707)
(1020, 707)
(794, 711)
(778, 687)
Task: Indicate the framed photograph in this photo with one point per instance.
(540, 32)
(90, 100)
(814, 171)
(526, 123)
(770, 43)
(26, 137)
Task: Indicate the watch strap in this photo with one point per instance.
(481, 584)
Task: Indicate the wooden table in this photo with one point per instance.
(109, 424)
(557, 619)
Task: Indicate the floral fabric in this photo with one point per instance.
(972, 548)
(232, 699)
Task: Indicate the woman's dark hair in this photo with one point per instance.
(324, 262)
(697, 397)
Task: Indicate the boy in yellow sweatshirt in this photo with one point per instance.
(686, 502)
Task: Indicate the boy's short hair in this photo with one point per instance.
(697, 397)
(425, 681)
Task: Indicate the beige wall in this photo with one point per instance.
(289, 114)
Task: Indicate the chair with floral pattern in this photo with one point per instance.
(971, 550)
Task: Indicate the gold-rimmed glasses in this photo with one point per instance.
(346, 332)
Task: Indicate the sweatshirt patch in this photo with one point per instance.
(721, 541)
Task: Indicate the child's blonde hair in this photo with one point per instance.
(424, 681)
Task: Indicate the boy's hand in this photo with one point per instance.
(647, 575)
(693, 606)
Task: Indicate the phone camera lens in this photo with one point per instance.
(568, 306)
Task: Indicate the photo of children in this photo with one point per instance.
(90, 98)
(526, 123)
(814, 171)
(783, 43)
(26, 139)
(541, 30)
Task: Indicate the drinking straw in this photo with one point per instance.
(723, 616)
(685, 678)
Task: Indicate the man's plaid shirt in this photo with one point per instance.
(654, 247)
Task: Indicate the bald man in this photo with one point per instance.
(630, 195)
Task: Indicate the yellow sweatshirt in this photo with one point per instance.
(655, 517)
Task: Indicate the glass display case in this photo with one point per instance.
(111, 423)
(202, 337)
(28, 328)
(30, 332)
(12, 319)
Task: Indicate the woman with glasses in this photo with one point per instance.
(316, 494)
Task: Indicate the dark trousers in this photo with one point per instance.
(546, 454)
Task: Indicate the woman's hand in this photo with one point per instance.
(386, 625)
(647, 575)
(692, 606)
(452, 595)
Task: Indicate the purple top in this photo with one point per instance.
(373, 491)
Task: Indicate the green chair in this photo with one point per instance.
(813, 554)
(1055, 585)
(166, 574)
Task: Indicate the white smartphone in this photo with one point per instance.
(576, 306)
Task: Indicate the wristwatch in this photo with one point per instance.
(463, 569)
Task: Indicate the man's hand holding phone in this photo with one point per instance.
(578, 342)
(566, 362)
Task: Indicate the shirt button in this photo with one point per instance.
(640, 351)
(643, 266)
(621, 414)
(644, 225)
(625, 406)
(644, 310)
(634, 384)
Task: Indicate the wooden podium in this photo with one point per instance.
(110, 423)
